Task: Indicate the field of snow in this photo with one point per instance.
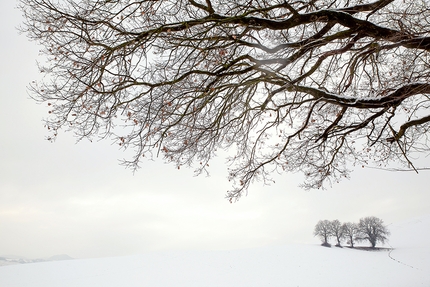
(408, 264)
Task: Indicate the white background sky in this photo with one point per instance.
(70, 198)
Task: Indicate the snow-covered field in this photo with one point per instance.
(408, 264)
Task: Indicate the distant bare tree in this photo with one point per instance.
(350, 231)
(372, 229)
(309, 86)
(323, 231)
(337, 231)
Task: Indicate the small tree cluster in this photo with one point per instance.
(370, 229)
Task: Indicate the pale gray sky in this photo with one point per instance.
(73, 198)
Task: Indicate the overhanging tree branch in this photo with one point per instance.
(293, 86)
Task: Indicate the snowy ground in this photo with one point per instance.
(408, 264)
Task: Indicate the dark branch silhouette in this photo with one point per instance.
(310, 86)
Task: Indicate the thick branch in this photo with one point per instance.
(367, 7)
(335, 16)
(208, 8)
(407, 125)
(391, 100)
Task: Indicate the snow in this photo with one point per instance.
(408, 264)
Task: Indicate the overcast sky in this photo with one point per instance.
(74, 198)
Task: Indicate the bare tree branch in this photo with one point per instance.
(285, 86)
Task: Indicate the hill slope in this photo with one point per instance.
(291, 265)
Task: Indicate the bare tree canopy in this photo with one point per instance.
(337, 231)
(309, 86)
(323, 229)
(351, 232)
(372, 229)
